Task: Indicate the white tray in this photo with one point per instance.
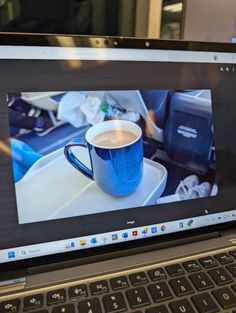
(53, 189)
(42, 100)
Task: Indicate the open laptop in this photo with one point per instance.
(118, 175)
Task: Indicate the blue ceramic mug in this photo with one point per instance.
(117, 170)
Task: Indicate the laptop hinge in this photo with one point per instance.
(11, 281)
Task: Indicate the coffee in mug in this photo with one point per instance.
(114, 138)
(116, 152)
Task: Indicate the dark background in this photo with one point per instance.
(88, 17)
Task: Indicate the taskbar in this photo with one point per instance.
(91, 241)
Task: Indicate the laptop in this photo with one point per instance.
(117, 174)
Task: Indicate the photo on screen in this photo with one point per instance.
(77, 153)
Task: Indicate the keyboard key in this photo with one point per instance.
(233, 253)
(119, 283)
(67, 308)
(160, 291)
(99, 287)
(192, 266)
(181, 286)
(11, 306)
(137, 297)
(234, 287)
(205, 303)
(157, 274)
(90, 306)
(201, 281)
(224, 258)
(232, 269)
(78, 292)
(157, 309)
(225, 297)
(33, 302)
(181, 306)
(208, 262)
(175, 270)
(114, 303)
(138, 278)
(220, 276)
(56, 296)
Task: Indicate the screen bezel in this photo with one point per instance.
(48, 40)
(54, 40)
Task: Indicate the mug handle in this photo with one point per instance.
(78, 142)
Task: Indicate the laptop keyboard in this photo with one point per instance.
(204, 285)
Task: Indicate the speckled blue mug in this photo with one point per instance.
(116, 170)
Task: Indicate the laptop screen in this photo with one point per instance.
(103, 146)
